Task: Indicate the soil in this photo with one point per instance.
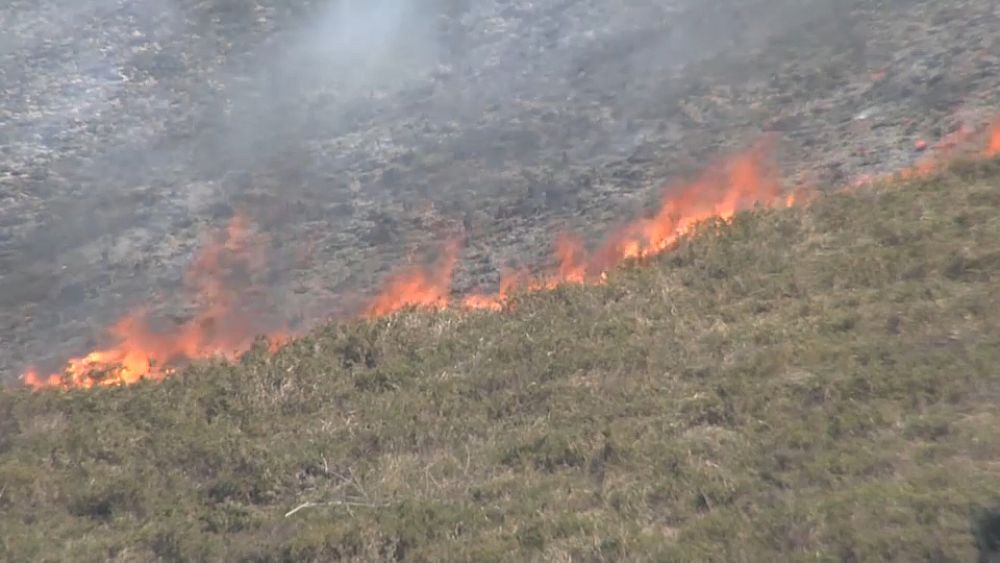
(128, 129)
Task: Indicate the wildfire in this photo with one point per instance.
(720, 193)
(422, 287)
(219, 278)
(940, 153)
(739, 184)
(993, 149)
(509, 282)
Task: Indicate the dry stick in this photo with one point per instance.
(348, 481)
(298, 508)
(334, 503)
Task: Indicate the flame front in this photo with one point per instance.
(720, 193)
(220, 274)
(993, 148)
(940, 154)
(421, 287)
(218, 278)
(738, 184)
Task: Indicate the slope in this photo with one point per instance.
(811, 383)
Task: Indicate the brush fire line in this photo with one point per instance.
(224, 328)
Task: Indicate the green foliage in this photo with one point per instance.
(809, 384)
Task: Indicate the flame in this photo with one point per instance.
(220, 278)
(422, 287)
(739, 184)
(993, 148)
(220, 274)
(510, 281)
(720, 193)
(726, 189)
(939, 155)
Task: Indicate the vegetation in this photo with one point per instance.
(815, 384)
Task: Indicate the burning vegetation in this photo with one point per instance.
(227, 323)
(994, 147)
(425, 287)
(725, 189)
(229, 320)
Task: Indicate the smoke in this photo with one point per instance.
(137, 124)
(356, 44)
(314, 79)
(123, 121)
(130, 127)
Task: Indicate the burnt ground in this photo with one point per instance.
(128, 128)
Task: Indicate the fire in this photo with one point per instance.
(940, 153)
(422, 287)
(720, 193)
(219, 277)
(993, 148)
(509, 282)
(739, 184)
(726, 189)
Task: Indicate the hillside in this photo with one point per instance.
(814, 383)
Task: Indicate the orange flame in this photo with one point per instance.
(422, 287)
(939, 154)
(720, 193)
(993, 149)
(220, 278)
(509, 282)
(219, 275)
